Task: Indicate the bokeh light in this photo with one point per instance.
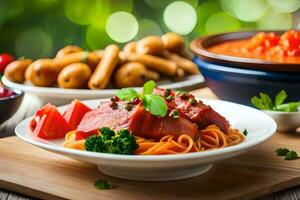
(204, 11)
(33, 43)
(221, 22)
(247, 11)
(82, 12)
(284, 6)
(273, 20)
(180, 17)
(96, 37)
(148, 27)
(122, 26)
(120, 5)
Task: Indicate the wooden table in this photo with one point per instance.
(29, 106)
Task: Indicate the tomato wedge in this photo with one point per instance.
(80, 135)
(75, 112)
(48, 123)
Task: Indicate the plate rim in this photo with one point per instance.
(236, 149)
(193, 80)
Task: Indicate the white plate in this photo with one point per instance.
(60, 96)
(167, 167)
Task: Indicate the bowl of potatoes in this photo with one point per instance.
(78, 74)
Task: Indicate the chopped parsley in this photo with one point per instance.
(245, 132)
(103, 185)
(288, 155)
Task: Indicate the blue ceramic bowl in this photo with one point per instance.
(239, 85)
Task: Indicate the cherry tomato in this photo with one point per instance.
(5, 92)
(5, 59)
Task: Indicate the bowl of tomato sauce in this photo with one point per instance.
(10, 101)
(239, 65)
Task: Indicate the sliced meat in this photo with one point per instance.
(105, 116)
(201, 114)
(139, 121)
(146, 125)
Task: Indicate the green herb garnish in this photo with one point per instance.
(264, 102)
(245, 132)
(153, 103)
(103, 185)
(288, 155)
(120, 142)
(291, 155)
(282, 151)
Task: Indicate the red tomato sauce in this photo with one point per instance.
(264, 46)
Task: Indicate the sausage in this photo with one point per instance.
(150, 45)
(187, 65)
(133, 74)
(68, 50)
(91, 59)
(15, 71)
(173, 42)
(105, 68)
(75, 75)
(42, 73)
(161, 65)
(130, 47)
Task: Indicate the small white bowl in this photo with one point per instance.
(286, 121)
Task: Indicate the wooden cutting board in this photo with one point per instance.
(35, 172)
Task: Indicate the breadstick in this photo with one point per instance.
(161, 65)
(91, 59)
(188, 66)
(130, 47)
(68, 50)
(105, 68)
(150, 45)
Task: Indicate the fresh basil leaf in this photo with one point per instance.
(127, 94)
(155, 104)
(266, 101)
(291, 155)
(103, 185)
(280, 97)
(288, 107)
(148, 87)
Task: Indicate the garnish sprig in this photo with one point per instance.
(153, 103)
(264, 102)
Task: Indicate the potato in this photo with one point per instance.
(15, 71)
(74, 76)
(150, 45)
(67, 50)
(173, 42)
(42, 73)
(133, 74)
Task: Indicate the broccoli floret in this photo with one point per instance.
(120, 142)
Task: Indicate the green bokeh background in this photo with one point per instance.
(38, 28)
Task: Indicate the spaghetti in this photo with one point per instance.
(210, 138)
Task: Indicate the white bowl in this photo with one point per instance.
(286, 121)
(60, 96)
(167, 167)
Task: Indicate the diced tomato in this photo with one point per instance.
(48, 123)
(75, 112)
(80, 135)
(38, 115)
